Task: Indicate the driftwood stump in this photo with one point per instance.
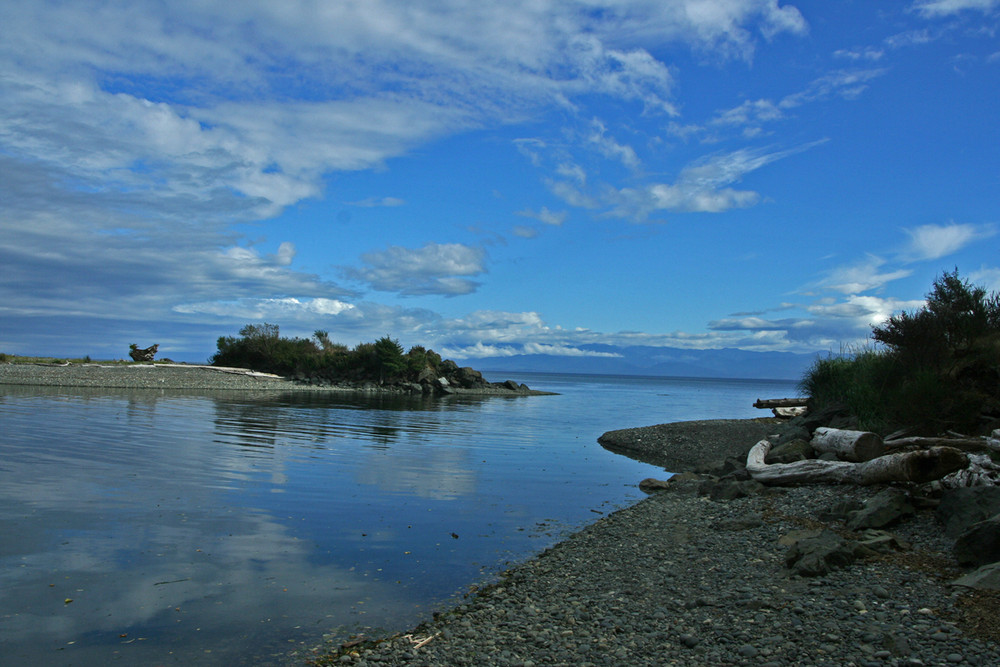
(146, 354)
(848, 445)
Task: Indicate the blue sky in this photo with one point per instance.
(489, 179)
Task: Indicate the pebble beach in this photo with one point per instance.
(681, 579)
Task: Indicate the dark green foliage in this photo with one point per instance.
(958, 318)
(938, 369)
(418, 358)
(389, 356)
(261, 348)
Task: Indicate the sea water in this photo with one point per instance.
(165, 527)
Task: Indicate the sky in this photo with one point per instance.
(490, 179)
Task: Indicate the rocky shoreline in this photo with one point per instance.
(196, 377)
(700, 573)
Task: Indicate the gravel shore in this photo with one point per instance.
(141, 376)
(682, 579)
(186, 376)
(690, 446)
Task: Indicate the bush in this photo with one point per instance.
(938, 367)
(261, 348)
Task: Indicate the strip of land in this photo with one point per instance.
(188, 376)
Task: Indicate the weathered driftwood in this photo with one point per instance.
(142, 354)
(982, 471)
(920, 466)
(848, 445)
(765, 403)
(964, 443)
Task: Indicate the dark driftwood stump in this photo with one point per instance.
(146, 354)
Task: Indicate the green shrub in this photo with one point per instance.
(261, 348)
(938, 368)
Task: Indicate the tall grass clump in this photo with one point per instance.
(933, 369)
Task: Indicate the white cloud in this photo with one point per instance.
(751, 112)
(433, 269)
(481, 350)
(700, 186)
(610, 148)
(865, 53)
(545, 215)
(250, 309)
(847, 84)
(936, 8)
(285, 254)
(935, 241)
(373, 202)
(862, 276)
(987, 277)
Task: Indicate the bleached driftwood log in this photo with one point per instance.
(965, 444)
(848, 445)
(982, 471)
(921, 466)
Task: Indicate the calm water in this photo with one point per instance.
(230, 528)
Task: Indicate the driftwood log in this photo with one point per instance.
(765, 403)
(920, 466)
(982, 471)
(965, 444)
(848, 445)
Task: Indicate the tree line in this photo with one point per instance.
(260, 347)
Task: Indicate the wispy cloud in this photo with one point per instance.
(610, 148)
(938, 8)
(700, 187)
(433, 269)
(936, 241)
(862, 276)
(545, 215)
(375, 202)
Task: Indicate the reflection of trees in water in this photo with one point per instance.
(315, 419)
(401, 444)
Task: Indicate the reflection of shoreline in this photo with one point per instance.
(187, 377)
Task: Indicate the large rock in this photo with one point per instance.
(817, 554)
(986, 578)
(469, 378)
(980, 544)
(883, 509)
(961, 508)
(789, 452)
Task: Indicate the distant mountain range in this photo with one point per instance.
(657, 361)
